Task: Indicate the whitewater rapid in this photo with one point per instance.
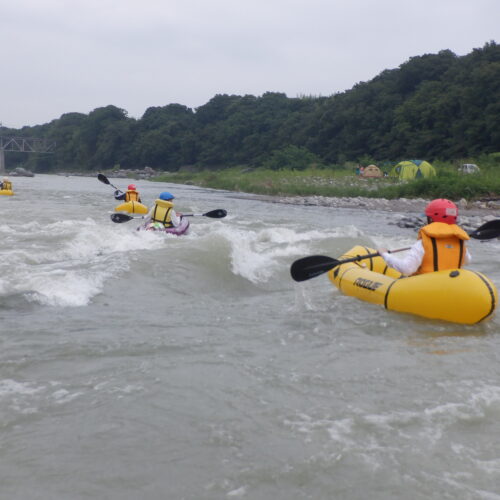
(144, 365)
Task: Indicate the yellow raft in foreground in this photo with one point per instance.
(132, 207)
(6, 192)
(457, 295)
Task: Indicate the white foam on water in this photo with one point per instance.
(258, 254)
(467, 404)
(238, 492)
(66, 263)
(488, 399)
(9, 387)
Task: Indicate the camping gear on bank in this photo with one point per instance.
(372, 171)
(413, 169)
(469, 168)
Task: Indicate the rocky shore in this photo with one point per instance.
(21, 172)
(404, 212)
(145, 173)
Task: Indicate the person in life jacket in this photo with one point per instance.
(441, 243)
(131, 194)
(162, 214)
(6, 184)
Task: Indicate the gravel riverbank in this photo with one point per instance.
(405, 212)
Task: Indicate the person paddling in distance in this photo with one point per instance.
(440, 245)
(162, 214)
(6, 184)
(130, 195)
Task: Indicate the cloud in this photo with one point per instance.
(80, 55)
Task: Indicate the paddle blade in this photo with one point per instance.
(219, 213)
(487, 231)
(103, 178)
(119, 218)
(312, 266)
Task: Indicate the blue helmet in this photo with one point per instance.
(166, 196)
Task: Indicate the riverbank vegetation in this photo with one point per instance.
(441, 107)
(343, 182)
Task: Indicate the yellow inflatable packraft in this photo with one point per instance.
(6, 192)
(132, 207)
(456, 295)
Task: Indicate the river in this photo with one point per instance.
(135, 365)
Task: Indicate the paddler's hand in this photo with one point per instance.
(382, 250)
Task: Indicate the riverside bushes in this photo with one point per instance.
(344, 183)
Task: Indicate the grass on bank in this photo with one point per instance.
(343, 183)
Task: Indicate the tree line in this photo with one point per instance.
(434, 106)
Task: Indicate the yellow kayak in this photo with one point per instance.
(132, 207)
(456, 295)
(6, 192)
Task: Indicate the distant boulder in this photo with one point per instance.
(21, 172)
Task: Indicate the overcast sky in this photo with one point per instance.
(61, 56)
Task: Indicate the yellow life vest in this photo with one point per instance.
(162, 211)
(132, 196)
(7, 185)
(444, 247)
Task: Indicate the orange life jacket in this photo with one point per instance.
(444, 247)
(132, 196)
(7, 185)
(162, 212)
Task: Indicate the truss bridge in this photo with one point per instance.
(23, 145)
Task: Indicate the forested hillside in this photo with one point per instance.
(435, 106)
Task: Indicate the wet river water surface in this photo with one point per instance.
(139, 365)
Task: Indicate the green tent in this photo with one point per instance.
(413, 169)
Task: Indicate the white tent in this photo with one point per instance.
(468, 168)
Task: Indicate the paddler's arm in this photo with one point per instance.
(119, 195)
(175, 218)
(148, 217)
(468, 257)
(410, 263)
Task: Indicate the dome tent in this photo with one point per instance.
(372, 171)
(413, 169)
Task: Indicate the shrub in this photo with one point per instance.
(293, 158)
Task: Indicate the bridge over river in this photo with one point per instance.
(23, 145)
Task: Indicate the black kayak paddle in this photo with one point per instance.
(314, 265)
(218, 213)
(105, 180)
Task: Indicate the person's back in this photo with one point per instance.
(130, 195)
(444, 247)
(163, 211)
(6, 184)
(440, 245)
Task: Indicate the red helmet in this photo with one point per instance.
(131, 187)
(442, 210)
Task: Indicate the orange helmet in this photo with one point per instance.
(442, 210)
(131, 187)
